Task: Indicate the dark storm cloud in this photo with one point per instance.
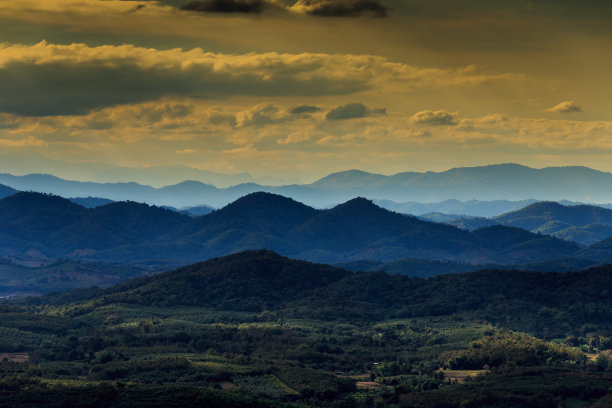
(62, 90)
(353, 111)
(231, 6)
(304, 109)
(453, 9)
(341, 8)
(74, 79)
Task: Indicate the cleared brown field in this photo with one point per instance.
(16, 357)
(460, 375)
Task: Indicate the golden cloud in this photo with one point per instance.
(566, 107)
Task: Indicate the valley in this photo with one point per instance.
(303, 334)
(268, 302)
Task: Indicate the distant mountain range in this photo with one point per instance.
(157, 176)
(38, 225)
(501, 183)
(90, 202)
(93, 202)
(454, 208)
(494, 182)
(585, 224)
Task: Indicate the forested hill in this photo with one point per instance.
(585, 224)
(131, 232)
(548, 304)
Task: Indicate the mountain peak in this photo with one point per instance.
(349, 178)
(28, 200)
(220, 282)
(262, 199)
(360, 204)
(272, 213)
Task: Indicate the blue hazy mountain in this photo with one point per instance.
(6, 191)
(159, 176)
(538, 215)
(358, 229)
(500, 183)
(494, 182)
(455, 208)
(197, 210)
(585, 224)
(90, 202)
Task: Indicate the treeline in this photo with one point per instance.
(510, 348)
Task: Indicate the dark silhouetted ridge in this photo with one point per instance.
(36, 215)
(261, 212)
(250, 281)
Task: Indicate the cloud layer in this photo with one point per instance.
(268, 137)
(76, 78)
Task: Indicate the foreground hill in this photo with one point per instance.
(255, 329)
(255, 281)
(137, 233)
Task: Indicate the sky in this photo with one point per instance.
(298, 89)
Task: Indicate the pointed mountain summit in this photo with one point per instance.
(359, 223)
(262, 212)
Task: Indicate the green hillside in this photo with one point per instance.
(255, 329)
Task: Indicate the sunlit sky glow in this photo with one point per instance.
(299, 89)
